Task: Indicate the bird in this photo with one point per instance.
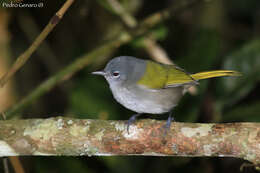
(149, 87)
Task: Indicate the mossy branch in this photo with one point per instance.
(23, 58)
(83, 137)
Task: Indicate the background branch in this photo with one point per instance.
(151, 47)
(5, 162)
(79, 137)
(21, 60)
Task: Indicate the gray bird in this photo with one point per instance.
(145, 86)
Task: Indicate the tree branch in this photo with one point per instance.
(21, 60)
(80, 137)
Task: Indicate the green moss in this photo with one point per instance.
(78, 130)
(42, 129)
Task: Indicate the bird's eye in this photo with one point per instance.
(116, 74)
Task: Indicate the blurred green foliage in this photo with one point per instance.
(207, 36)
(158, 33)
(247, 61)
(91, 98)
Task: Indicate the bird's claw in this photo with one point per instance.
(131, 120)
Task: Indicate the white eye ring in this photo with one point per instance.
(116, 74)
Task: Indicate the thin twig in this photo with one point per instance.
(98, 53)
(5, 162)
(17, 165)
(21, 60)
(5, 159)
(156, 51)
(62, 136)
(3, 116)
(46, 54)
(129, 20)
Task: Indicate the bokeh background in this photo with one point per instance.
(209, 35)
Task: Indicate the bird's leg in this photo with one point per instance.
(169, 121)
(131, 120)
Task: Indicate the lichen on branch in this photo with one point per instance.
(62, 136)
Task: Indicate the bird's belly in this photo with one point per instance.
(148, 101)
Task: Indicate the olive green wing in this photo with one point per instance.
(154, 77)
(160, 76)
(177, 77)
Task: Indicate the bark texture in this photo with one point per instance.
(80, 137)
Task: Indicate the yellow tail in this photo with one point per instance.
(216, 73)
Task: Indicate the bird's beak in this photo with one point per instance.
(102, 73)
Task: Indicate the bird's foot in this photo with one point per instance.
(131, 120)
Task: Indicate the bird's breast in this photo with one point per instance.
(143, 100)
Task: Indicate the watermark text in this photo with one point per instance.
(21, 5)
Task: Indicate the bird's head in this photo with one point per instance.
(123, 70)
